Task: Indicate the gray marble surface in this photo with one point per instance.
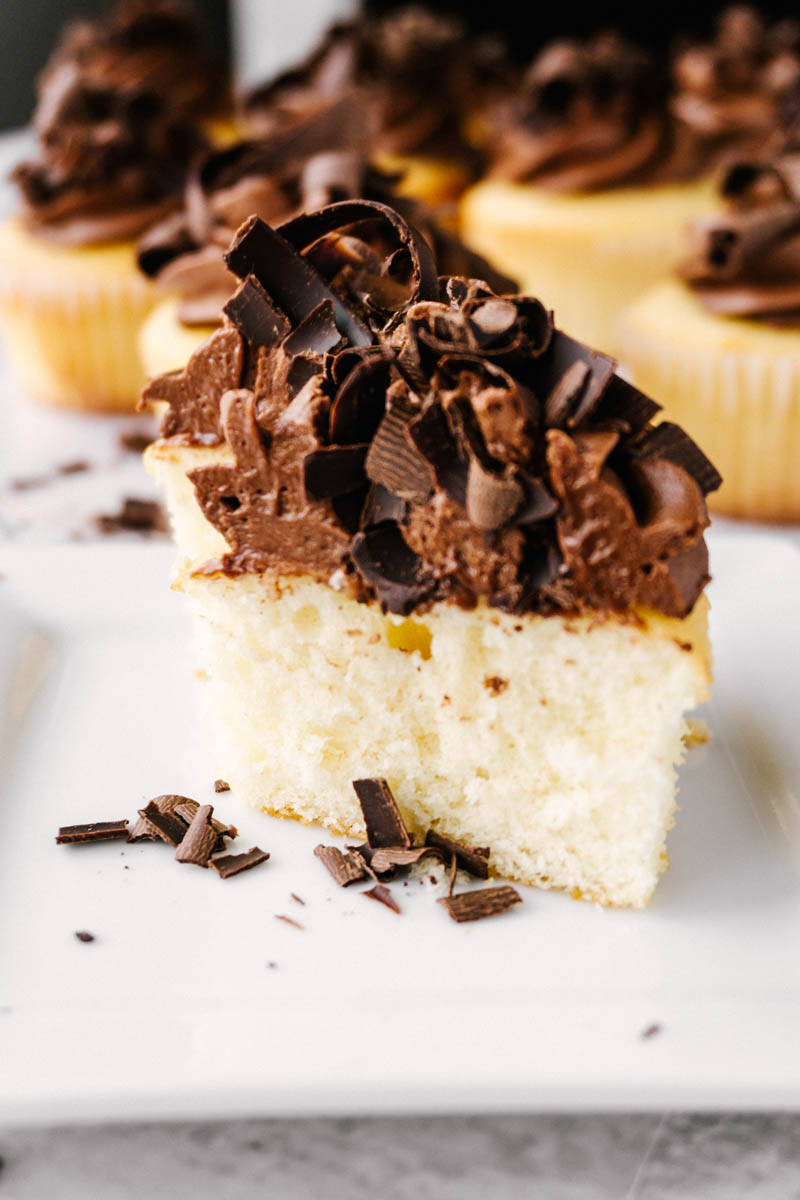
(621, 1157)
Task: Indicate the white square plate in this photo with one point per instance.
(175, 1011)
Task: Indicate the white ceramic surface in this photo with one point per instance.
(175, 1010)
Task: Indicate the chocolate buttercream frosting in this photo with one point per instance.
(417, 74)
(746, 263)
(740, 90)
(590, 115)
(416, 438)
(318, 160)
(115, 118)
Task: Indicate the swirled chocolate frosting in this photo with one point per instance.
(746, 263)
(740, 90)
(320, 159)
(416, 72)
(115, 120)
(590, 115)
(416, 438)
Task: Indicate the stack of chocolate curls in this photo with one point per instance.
(198, 837)
(389, 847)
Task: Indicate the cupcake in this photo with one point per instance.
(418, 75)
(600, 161)
(320, 158)
(115, 121)
(721, 344)
(425, 536)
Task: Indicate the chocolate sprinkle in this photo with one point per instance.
(233, 864)
(474, 859)
(344, 868)
(487, 902)
(383, 896)
(95, 831)
(200, 839)
(385, 826)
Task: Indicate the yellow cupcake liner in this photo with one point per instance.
(165, 343)
(586, 257)
(70, 319)
(735, 387)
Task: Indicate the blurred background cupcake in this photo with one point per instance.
(603, 155)
(419, 75)
(117, 122)
(321, 158)
(720, 346)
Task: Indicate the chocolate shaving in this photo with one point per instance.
(144, 830)
(233, 864)
(451, 875)
(316, 335)
(289, 921)
(200, 839)
(95, 831)
(220, 785)
(334, 471)
(474, 859)
(385, 825)
(492, 499)
(386, 561)
(159, 825)
(187, 810)
(344, 868)
(394, 461)
(380, 505)
(135, 516)
(134, 442)
(290, 281)
(255, 316)
(383, 896)
(84, 936)
(384, 859)
(669, 441)
(487, 902)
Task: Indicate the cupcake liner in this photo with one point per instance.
(587, 258)
(71, 320)
(740, 403)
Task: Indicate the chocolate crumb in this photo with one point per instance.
(134, 442)
(385, 826)
(135, 516)
(272, 966)
(495, 684)
(233, 864)
(95, 831)
(289, 921)
(344, 868)
(221, 786)
(650, 1032)
(487, 902)
(84, 936)
(383, 896)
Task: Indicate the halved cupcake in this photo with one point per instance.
(426, 536)
(116, 121)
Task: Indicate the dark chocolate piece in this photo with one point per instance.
(188, 809)
(95, 831)
(233, 864)
(474, 859)
(316, 335)
(220, 785)
(160, 825)
(383, 896)
(488, 902)
(135, 516)
(144, 830)
(255, 316)
(385, 826)
(200, 839)
(344, 868)
(334, 471)
(669, 441)
(84, 936)
(386, 561)
(380, 506)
